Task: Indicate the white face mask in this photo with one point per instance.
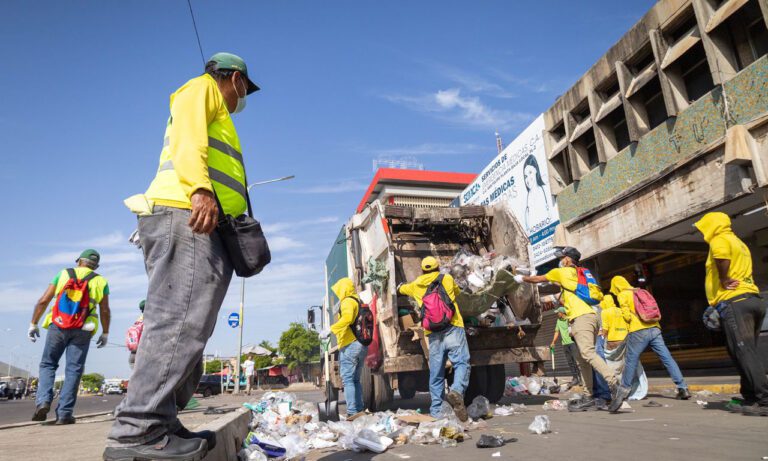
(240, 101)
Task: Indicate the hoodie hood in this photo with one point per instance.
(619, 284)
(713, 224)
(607, 302)
(344, 288)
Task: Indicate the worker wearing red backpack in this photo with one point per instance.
(354, 332)
(435, 293)
(71, 323)
(641, 312)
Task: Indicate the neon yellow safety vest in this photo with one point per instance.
(225, 169)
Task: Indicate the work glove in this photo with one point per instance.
(325, 334)
(102, 341)
(518, 278)
(34, 332)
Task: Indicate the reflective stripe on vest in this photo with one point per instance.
(225, 168)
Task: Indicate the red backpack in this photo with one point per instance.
(362, 328)
(437, 309)
(646, 306)
(73, 302)
(133, 335)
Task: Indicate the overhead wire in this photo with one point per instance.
(197, 34)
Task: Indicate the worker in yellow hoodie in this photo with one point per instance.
(449, 343)
(200, 173)
(640, 335)
(351, 352)
(731, 290)
(614, 330)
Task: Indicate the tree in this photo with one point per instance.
(299, 345)
(92, 381)
(212, 366)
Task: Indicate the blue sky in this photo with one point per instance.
(85, 90)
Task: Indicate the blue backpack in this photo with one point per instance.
(587, 288)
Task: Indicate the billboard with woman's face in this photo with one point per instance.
(517, 175)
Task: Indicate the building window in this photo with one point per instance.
(739, 33)
(694, 70)
(562, 166)
(614, 126)
(558, 132)
(650, 98)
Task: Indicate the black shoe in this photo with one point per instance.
(170, 447)
(585, 404)
(754, 410)
(620, 394)
(208, 436)
(63, 421)
(41, 412)
(683, 394)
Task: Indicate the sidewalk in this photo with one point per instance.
(85, 439)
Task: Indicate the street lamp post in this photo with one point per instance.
(242, 294)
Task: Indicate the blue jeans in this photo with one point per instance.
(75, 343)
(637, 342)
(600, 389)
(450, 343)
(351, 362)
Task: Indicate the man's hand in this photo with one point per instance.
(102, 341)
(34, 332)
(325, 334)
(730, 284)
(519, 279)
(205, 212)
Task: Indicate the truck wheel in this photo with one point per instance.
(382, 392)
(478, 384)
(496, 381)
(407, 392)
(207, 392)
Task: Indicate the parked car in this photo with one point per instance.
(209, 385)
(113, 389)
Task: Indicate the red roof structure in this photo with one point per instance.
(415, 179)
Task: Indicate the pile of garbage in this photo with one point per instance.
(284, 427)
(532, 385)
(474, 273)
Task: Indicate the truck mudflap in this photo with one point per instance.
(478, 358)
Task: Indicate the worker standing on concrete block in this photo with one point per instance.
(71, 323)
(351, 351)
(641, 334)
(581, 316)
(447, 343)
(200, 169)
(732, 292)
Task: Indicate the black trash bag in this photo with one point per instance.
(493, 441)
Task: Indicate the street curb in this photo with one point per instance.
(230, 430)
(714, 388)
(38, 423)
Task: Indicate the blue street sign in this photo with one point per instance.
(234, 319)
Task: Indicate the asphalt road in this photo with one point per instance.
(18, 411)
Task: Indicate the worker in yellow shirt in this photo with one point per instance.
(351, 351)
(614, 331)
(200, 177)
(450, 343)
(731, 290)
(640, 335)
(582, 317)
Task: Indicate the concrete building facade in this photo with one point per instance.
(670, 123)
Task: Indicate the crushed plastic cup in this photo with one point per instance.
(369, 440)
(295, 445)
(540, 425)
(554, 405)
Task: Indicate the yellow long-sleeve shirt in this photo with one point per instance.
(194, 106)
(626, 296)
(418, 288)
(344, 289)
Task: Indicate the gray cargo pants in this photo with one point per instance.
(188, 277)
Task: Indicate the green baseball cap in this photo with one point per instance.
(141, 305)
(90, 254)
(231, 61)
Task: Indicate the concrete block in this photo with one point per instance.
(230, 430)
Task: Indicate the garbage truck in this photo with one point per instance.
(383, 245)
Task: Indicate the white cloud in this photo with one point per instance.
(283, 243)
(113, 239)
(19, 297)
(431, 148)
(334, 188)
(288, 225)
(468, 111)
(69, 257)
